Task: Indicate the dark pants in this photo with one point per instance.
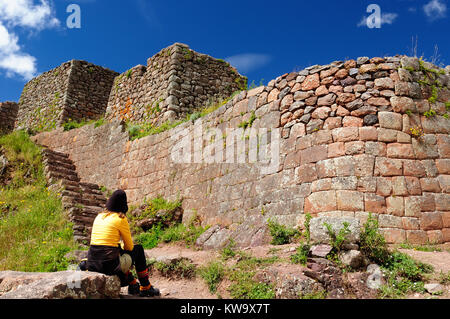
(106, 260)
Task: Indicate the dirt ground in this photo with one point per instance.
(197, 289)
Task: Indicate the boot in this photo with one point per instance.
(149, 292)
(134, 289)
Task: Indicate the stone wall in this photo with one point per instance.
(75, 90)
(8, 114)
(175, 82)
(360, 136)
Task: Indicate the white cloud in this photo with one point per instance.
(386, 18)
(247, 62)
(27, 15)
(435, 10)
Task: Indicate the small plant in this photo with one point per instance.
(444, 278)
(177, 268)
(213, 274)
(228, 251)
(416, 132)
(372, 242)
(281, 234)
(248, 123)
(429, 114)
(301, 255)
(320, 294)
(337, 240)
(99, 122)
(129, 72)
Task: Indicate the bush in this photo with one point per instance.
(178, 268)
(213, 274)
(301, 255)
(281, 234)
(372, 242)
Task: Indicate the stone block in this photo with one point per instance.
(320, 202)
(388, 167)
(394, 235)
(345, 134)
(319, 232)
(431, 221)
(350, 200)
(390, 120)
(416, 237)
(395, 206)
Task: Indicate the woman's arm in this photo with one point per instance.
(126, 235)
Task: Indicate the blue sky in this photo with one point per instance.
(263, 39)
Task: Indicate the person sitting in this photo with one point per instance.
(106, 255)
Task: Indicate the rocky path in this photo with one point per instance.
(197, 289)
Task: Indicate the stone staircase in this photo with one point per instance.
(81, 201)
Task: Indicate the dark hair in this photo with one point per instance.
(117, 203)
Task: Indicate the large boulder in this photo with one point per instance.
(319, 232)
(58, 285)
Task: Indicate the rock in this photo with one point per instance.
(58, 285)
(320, 251)
(375, 279)
(319, 233)
(355, 282)
(3, 164)
(215, 237)
(352, 258)
(288, 282)
(370, 119)
(434, 288)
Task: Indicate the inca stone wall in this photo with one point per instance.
(75, 90)
(360, 136)
(175, 82)
(8, 115)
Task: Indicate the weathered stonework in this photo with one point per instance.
(76, 90)
(176, 81)
(8, 115)
(356, 137)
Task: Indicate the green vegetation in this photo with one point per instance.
(403, 274)
(165, 230)
(248, 123)
(73, 124)
(372, 242)
(128, 74)
(213, 274)
(321, 294)
(137, 131)
(338, 240)
(228, 251)
(444, 278)
(427, 248)
(34, 235)
(429, 114)
(178, 268)
(301, 255)
(242, 275)
(302, 251)
(281, 234)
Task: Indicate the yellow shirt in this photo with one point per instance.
(109, 228)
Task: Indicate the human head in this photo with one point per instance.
(117, 202)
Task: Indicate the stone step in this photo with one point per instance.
(48, 151)
(61, 170)
(68, 165)
(89, 186)
(60, 176)
(52, 159)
